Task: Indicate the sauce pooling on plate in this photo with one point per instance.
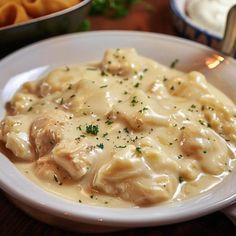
(121, 133)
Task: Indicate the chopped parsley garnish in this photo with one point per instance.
(101, 145)
(120, 146)
(180, 156)
(62, 101)
(104, 135)
(139, 150)
(109, 122)
(126, 130)
(73, 95)
(57, 180)
(104, 86)
(201, 122)
(92, 129)
(30, 109)
(181, 179)
(174, 63)
(134, 101)
(136, 85)
(103, 73)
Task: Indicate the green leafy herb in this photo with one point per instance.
(111, 8)
(101, 145)
(126, 130)
(181, 179)
(30, 109)
(92, 129)
(134, 101)
(104, 86)
(174, 63)
(109, 122)
(139, 150)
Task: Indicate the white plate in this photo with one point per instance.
(32, 61)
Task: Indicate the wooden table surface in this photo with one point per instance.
(14, 222)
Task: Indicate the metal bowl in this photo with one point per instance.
(61, 22)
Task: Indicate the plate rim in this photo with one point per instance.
(108, 221)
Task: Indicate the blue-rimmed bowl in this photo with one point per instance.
(61, 22)
(189, 29)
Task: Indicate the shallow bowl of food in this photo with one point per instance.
(23, 24)
(143, 181)
(201, 21)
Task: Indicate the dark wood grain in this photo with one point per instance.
(14, 222)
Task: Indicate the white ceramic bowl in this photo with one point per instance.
(29, 63)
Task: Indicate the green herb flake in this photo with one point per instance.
(136, 85)
(101, 145)
(92, 129)
(181, 179)
(126, 130)
(120, 146)
(30, 109)
(139, 150)
(201, 122)
(104, 86)
(61, 101)
(134, 101)
(109, 122)
(174, 63)
(103, 73)
(180, 156)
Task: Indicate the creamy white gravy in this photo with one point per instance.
(125, 132)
